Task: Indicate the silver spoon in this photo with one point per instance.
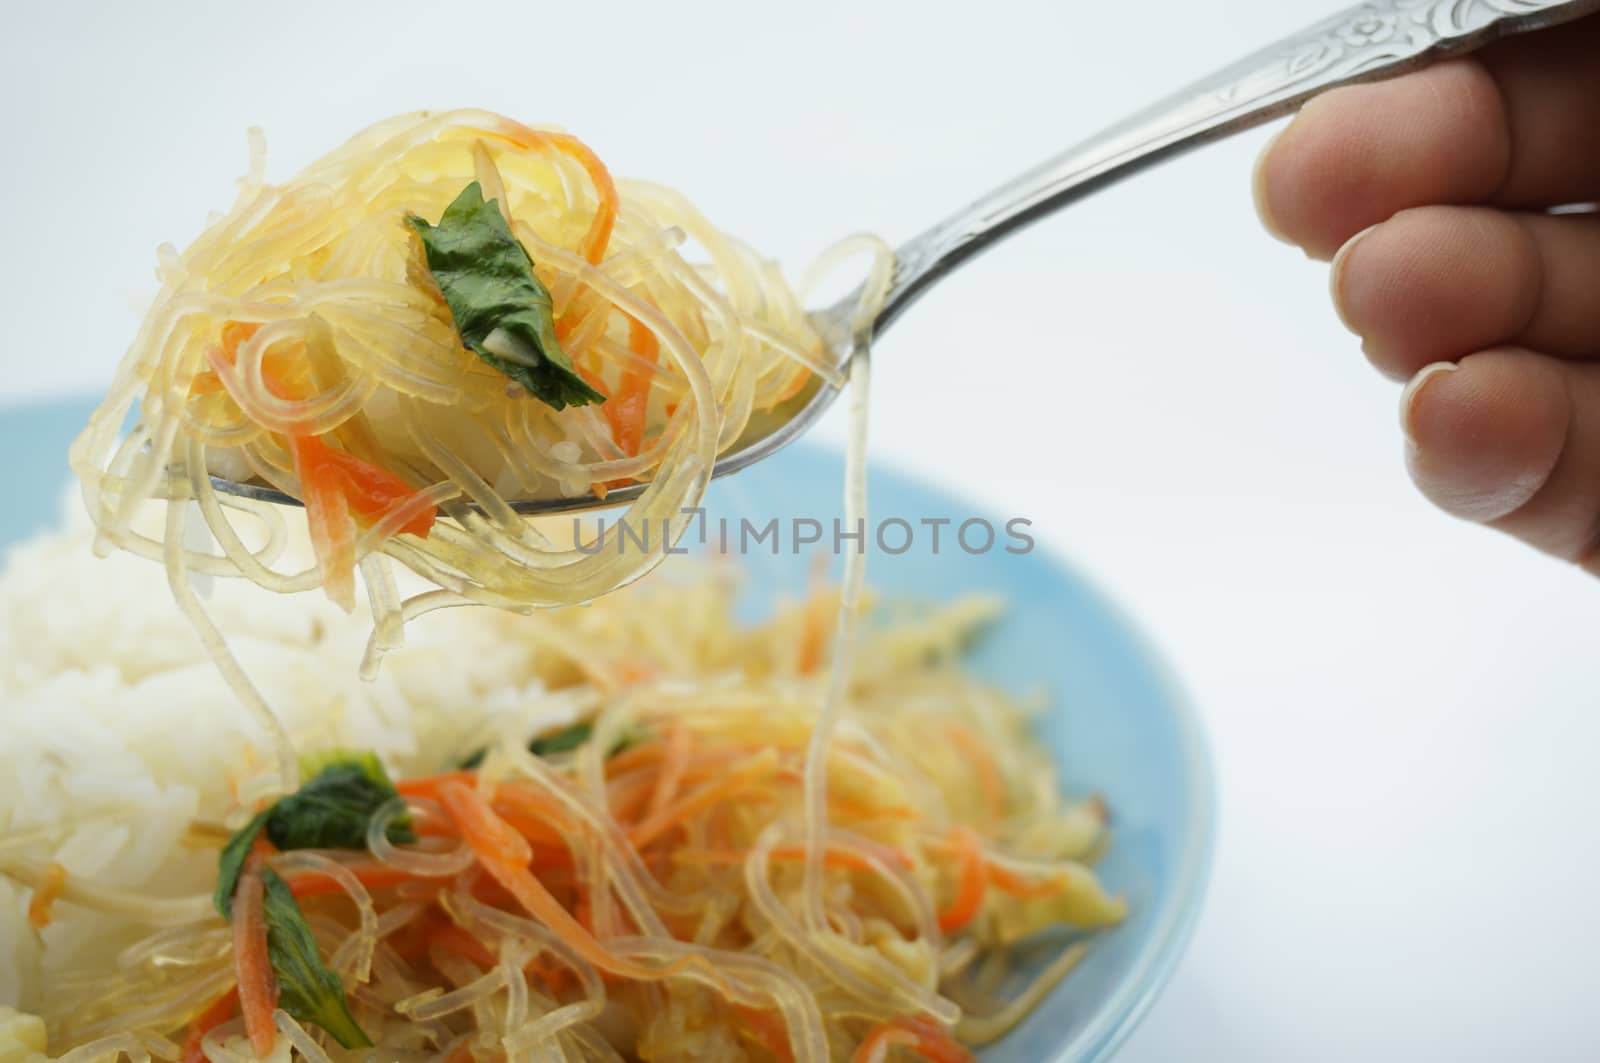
(1369, 42)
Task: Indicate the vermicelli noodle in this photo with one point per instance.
(811, 838)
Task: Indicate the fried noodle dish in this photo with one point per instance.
(812, 838)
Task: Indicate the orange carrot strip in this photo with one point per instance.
(647, 751)
(532, 826)
(333, 530)
(373, 876)
(45, 894)
(333, 533)
(258, 991)
(814, 637)
(595, 241)
(930, 1041)
(554, 976)
(767, 1029)
(531, 800)
(220, 1011)
(504, 854)
(593, 245)
(628, 795)
(970, 882)
(670, 777)
(461, 1053)
(452, 938)
(429, 785)
(989, 780)
(374, 492)
(626, 409)
(876, 1044)
(699, 800)
(936, 1043)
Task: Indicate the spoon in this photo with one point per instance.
(1369, 42)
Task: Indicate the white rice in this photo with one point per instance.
(118, 730)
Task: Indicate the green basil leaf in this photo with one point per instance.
(331, 810)
(501, 308)
(231, 862)
(563, 741)
(307, 989)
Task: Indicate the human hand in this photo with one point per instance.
(1433, 196)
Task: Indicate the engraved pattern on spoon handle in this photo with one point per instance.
(1373, 40)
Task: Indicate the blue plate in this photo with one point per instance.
(1120, 725)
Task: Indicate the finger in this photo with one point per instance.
(1512, 126)
(1435, 283)
(1355, 156)
(1511, 438)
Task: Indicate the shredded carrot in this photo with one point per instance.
(646, 752)
(626, 407)
(583, 912)
(632, 670)
(814, 636)
(970, 882)
(430, 785)
(594, 243)
(333, 529)
(625, 411)
(336, 486)
(532, 826)
(627, 796)
(530, 800)
(461, 1053)
(258, 991)
(554, 977)
(452, 938)
(375, 492)
(989, 780)
(699, 800)
(875, 1046)
(505, 854)
(766, 1027)
(670, 777)
(929, 1040)
(45, 894)
(411, 941)
(936, 1043)
(220, 1011)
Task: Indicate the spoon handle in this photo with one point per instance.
(1374, 40)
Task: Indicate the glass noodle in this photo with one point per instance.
(808, 839)
(308, 311)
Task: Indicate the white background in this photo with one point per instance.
(1401, 706)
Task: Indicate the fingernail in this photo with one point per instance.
(1258, 190)
(1408, 397)
(1336, 277)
